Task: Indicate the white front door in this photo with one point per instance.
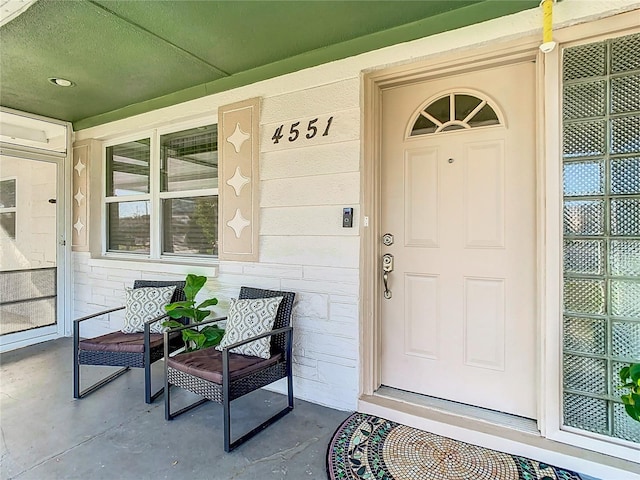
(458, 197)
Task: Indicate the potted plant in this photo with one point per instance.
(630, 377)
(194, 338)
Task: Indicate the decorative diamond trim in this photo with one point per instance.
(79, 196)
(238, 181)
(78, 226)
(237, 138)
(79, 166)
(238, 223)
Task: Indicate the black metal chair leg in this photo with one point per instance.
(289, 361)
(226, 403)
(148, 396)
(76, 366)
(290, 392)
(228, 446)
(96, 385)
(184, 409)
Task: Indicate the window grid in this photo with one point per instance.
(601, 164)
(454, 111)
(160, 230)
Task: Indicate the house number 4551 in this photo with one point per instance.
(297, 131)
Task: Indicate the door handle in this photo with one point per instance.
(387, 268)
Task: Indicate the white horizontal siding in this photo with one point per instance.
(336, 189)
(311, 250)
(320, 100)
(306, 221)
(314, 160)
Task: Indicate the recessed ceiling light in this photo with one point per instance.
(61, 82)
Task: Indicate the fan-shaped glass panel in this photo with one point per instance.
(486, 116)
(451, 112)
(423, 126)
(465, 104)
(440, 109)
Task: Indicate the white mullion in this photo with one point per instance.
(104, 213)
(128, 198)
(452, 107)
(468, 118)
(202, 192)
(431, 118)
(154, 187)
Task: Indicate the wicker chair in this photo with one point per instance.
(125, 350)
(222, 376)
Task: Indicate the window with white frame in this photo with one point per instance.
(161, 194)
(8, 207)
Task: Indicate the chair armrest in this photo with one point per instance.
(226, 351)
(155, 319)
(76, 326)
(258, 337)
(147, 332)
(191, 325)
(93, 315)
(179, 329)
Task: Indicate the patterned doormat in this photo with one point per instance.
(372, 448)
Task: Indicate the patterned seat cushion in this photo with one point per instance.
(207, 364)
(248, 318)
(120, 342)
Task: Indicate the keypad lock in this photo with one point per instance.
(387, 268)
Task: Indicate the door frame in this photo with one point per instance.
(64, 223)
(549, 263)
(374, 83)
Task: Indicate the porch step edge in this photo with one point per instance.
(468, 412)
(499, 437)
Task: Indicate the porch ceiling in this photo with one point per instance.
(128, 57)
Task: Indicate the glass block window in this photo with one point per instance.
(601, 183)
(454, 111)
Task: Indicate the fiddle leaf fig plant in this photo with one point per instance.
(194, 338)
(630, 377)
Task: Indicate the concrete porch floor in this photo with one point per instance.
(113, 434)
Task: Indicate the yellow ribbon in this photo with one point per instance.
(547, 21)
(547, 26)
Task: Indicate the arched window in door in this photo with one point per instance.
(455, 111)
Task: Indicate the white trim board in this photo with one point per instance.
(26, 338)
(159, 266)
